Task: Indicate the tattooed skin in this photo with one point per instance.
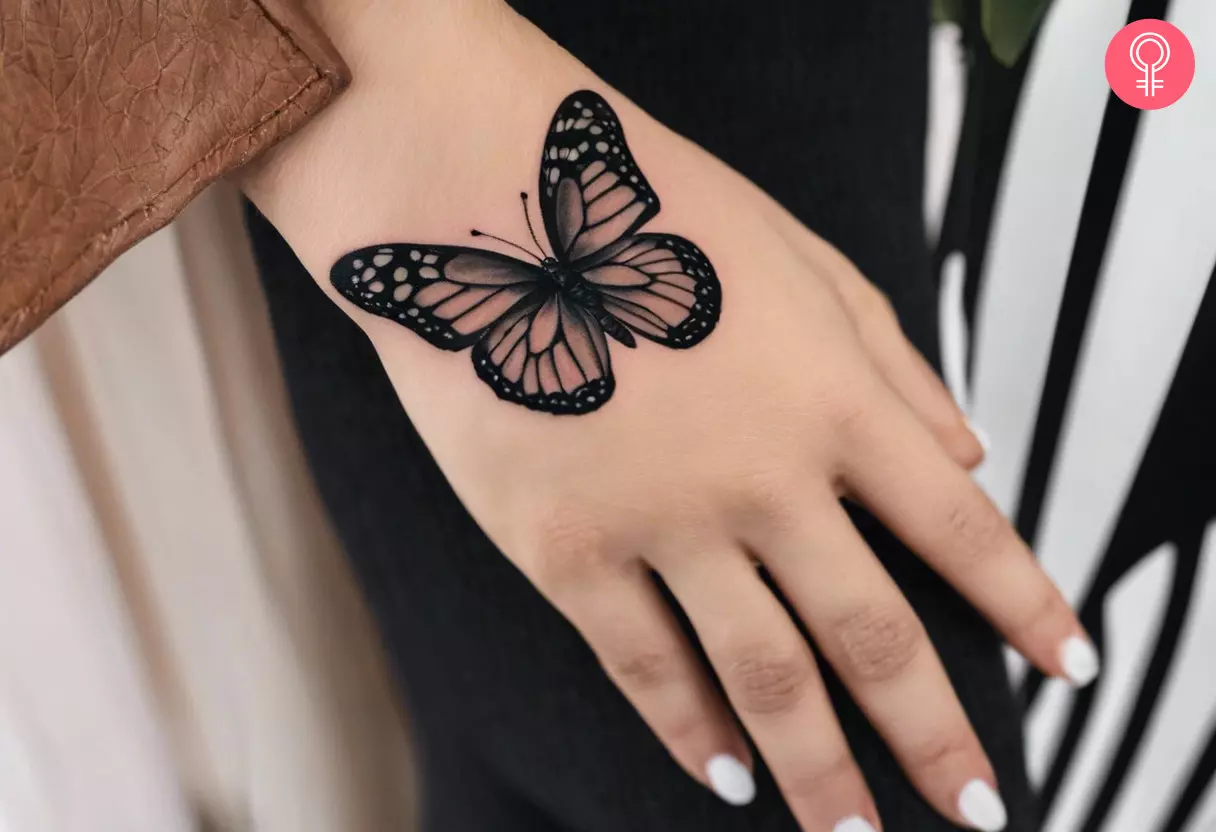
(539, 331)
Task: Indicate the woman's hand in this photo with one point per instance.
(703, 459)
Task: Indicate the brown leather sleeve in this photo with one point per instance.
(115, 113)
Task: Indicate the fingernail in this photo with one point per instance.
(981, 807)
(730, 780)
(980, 435)
(1080, 661)
(853, 824)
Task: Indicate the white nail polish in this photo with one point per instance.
(980, 435)
(730, 780)
(981, 807)
(853, 824)
(1080, 661)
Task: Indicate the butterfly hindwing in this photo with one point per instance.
(548, 353)
(592, 192)
(449, 295)
(660, 286)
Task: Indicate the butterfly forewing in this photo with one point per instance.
(592, 192)
(548, 353)
(659, 285)
(449, 295)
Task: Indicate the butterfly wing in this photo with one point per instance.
(592, 192)
(548, 353)
(449, 295)
(660, 286)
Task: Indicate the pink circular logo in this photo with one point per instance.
(1150, 64)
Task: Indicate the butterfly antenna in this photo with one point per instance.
(531, 254)
(523, 197)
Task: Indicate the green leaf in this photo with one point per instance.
(1008, 25)
(948, 11)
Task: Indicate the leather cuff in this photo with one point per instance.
(115, 113)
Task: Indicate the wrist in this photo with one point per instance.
(442, 112)
(374, 36)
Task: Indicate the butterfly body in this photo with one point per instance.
(581, 291)
(538, 329)
(566, 279)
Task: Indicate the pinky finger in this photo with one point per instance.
(898, 361)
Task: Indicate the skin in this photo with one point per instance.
(739, 448)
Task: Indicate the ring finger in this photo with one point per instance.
(770, 676)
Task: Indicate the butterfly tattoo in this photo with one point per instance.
(539, 330)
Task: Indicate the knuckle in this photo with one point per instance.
(643, 670)
(976, 529)
(850, 410)
(685, 728)
(768, 500)
(878, 644)
(809, 780)
(944, 752)
(569, 546)
(767, 683)
(964, 448)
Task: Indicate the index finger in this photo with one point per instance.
(901, 474)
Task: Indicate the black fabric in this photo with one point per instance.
(823, 104)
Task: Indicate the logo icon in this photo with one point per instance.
(1150, 64)
(1150, 83)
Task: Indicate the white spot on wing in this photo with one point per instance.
(382, 259)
